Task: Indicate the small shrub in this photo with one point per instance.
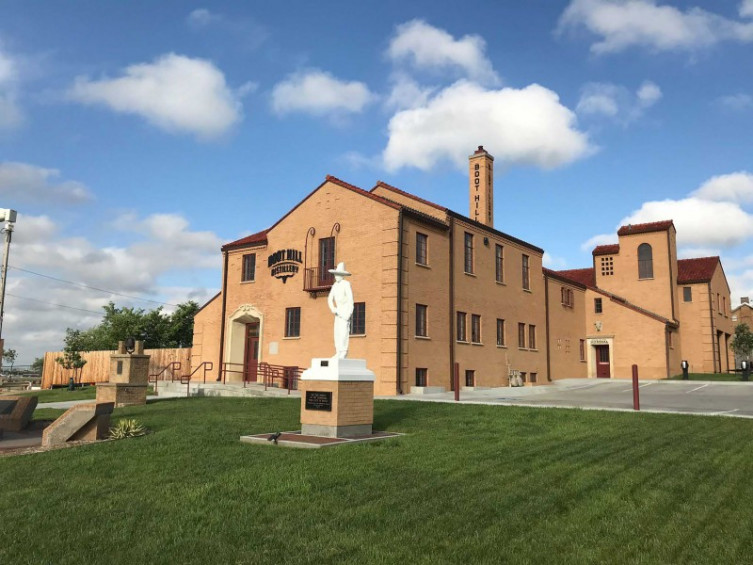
(127, 428)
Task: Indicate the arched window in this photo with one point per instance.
(645, 262)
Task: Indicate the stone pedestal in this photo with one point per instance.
(337, 398)
(129, 377)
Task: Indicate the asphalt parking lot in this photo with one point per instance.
(687, 397)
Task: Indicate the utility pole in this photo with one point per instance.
(9, 217)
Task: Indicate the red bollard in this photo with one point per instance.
(456, 382)
(636, 396)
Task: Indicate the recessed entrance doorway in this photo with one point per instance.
(602, 362)
(251, 356)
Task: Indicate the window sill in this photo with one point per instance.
(248, 282)
(425, 337)
(533, 350)
(528, 290)
(645, 279)
(522, 348)
(357, 335)
(501, 346)
(470, 274)
(476, 343)
(463, 342)
(423, 265)
(292, 337)
(501, 283)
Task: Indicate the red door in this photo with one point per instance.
(602, 362)
(251, 362)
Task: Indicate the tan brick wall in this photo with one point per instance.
(121, 394)
(567, 327)
(206, 337)
(352, 403)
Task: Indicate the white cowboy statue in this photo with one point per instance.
(340, 301)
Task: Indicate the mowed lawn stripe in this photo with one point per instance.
(466, 484)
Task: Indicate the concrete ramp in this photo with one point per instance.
(83, 422)
(15, 412)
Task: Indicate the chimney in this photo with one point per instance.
(744, 300)
(481, 183)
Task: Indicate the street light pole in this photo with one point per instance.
(9, 217)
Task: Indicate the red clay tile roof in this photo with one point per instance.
(585, 277)
(260, 237)
(631, 229)
(606, 249)
(407, 195)
(696, 270)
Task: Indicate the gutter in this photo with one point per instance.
(452, 302)
(222, 320)
(399, 348)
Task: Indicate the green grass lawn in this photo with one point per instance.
(711, 377)
(62, 394)
(468, 484)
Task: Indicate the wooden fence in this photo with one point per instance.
(97, 368)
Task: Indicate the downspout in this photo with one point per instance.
(399, 348)
(546, 307)
(222, 319)
(714, 344)
(452, 302)
(667, 329)
(671, 280)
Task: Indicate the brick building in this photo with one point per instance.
(435, 288)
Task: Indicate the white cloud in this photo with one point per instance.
(735, 102)
(407, 93)
(30, 183)
(11, 115)
(746, 9)
(175, 93)
(734, 187)
(551, 262)
(601, 239)
(201, 17)
(427, 47)
(617, 102)
(527, 126)
(643, 23)
(319, 93)
(163, 247)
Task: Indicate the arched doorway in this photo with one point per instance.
(243, 348)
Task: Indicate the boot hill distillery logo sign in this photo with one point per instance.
(284, 263)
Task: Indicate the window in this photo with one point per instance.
(582, 349)
(687, 294)
(292, 322)
(358, 320)
(500, 332)
(249, 267)
(645, 262)
(521, 335)
(468, 248)
(607, 266)
(499, 263)
(470, 377)
(475, 328)
(724, 305)
(597, 305)
(531, 337)
(421, 375)
(534, 376)
(526, 274)
(421, 327)
(422, 247)
(523, 376)
(460, 329)
(326, 260)
(568, 298)
(719, 302)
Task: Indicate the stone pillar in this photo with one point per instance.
(337, 398)
(129, 377)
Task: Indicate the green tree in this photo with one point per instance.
(10, 356)
(72, 360)
(38, 365)
(742, 342)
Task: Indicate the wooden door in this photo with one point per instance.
(602, 362)
(251, 362)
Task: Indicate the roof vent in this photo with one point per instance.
(745, 300)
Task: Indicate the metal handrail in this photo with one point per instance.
(207, 365)
(287, 375)
(173, 366)
(315, 279)
(225, 370)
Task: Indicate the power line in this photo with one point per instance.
(53, 304)
(82, 285)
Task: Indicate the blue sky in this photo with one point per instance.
(136, 138)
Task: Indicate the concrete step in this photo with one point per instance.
(83, 422)
(174, 389)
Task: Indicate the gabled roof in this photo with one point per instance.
(407, 195)
(559, 277)
(253, 239)
(584, 277)
(696, 270)
(606, 249)
(632, 229)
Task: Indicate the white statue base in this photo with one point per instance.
(337, 398)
